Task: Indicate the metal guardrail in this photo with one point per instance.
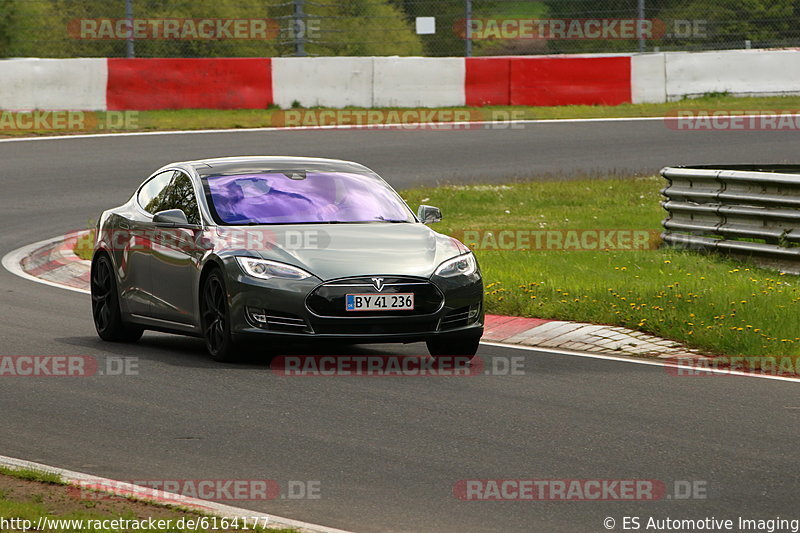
(740, 210)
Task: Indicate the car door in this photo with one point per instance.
(176, 256)
(134, 246)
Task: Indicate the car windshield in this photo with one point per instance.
(302, 197)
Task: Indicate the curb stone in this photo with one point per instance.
(584, 337)
(56, 262)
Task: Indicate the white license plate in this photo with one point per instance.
(380, 302)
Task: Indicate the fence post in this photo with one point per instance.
(130, 52)
(299, 24)
(468, 29)
(640, 26)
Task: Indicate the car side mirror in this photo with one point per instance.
(427, 214)
(171, 217)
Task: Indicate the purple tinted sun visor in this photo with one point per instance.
(300, 197)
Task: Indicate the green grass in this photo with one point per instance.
(43, 493)
(193, 119)
(84, 246)
(709, 302)
(29, 474)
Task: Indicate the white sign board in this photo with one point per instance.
(426, 25)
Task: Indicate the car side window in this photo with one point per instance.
(151, 195)
(180, 195)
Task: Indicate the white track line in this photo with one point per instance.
(400, 127)
(649, 362)
(143, 493)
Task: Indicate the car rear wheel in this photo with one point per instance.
(453, 346)
(216, 319)
(105, 305)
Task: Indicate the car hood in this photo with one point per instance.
(331, 251)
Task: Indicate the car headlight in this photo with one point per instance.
(462, 265)
(264, 269)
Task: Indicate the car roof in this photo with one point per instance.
(228, 166)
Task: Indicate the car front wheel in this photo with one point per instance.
(105, 305)
(216, 319)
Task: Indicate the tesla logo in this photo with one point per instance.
(378, 282)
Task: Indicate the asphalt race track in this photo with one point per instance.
(386, 452)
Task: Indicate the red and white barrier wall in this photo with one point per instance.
(255, 83)
(51, 84)
(546, 80)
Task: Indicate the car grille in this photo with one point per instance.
(328, 299)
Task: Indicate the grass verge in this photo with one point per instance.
(84, 245)
(717, 304)
(32, 495)
(194, 119)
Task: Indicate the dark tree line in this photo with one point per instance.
(40, 28)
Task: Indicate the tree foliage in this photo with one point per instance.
(713, 23)
(41, 28)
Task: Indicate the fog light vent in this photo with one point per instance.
(257, 316)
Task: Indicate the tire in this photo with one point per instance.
(453, 346)
(215, 319)
(105, 305)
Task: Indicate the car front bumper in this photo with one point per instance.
(280, 308)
